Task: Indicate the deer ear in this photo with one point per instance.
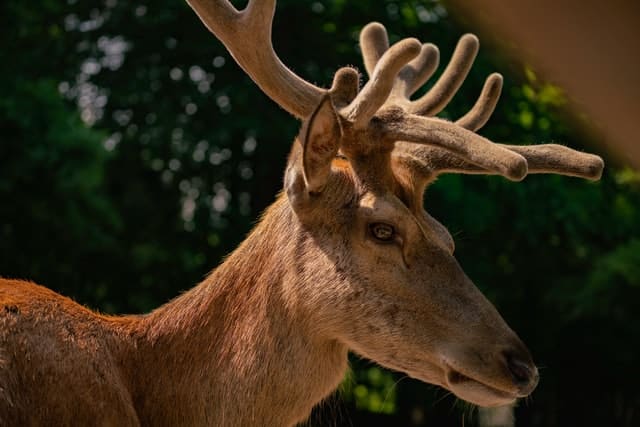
(320, 139)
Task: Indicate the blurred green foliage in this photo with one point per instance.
(371, 389)
(134, 154)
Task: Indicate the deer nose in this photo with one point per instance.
(523, 372)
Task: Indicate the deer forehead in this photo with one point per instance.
(388, 202)
(381, 206)
(370, 182)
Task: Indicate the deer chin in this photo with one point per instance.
(477, 392)
(462, 386)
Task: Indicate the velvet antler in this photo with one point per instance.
(434, 157)
(383, 107)
(247, 36)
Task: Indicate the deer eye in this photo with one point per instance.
(381, 231)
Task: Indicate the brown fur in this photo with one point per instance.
(210, 357)
(260, 341)
(265, 337)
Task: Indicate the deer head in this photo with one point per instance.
(377, 272)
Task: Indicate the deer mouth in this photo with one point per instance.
(476, 391)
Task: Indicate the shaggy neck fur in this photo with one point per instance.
(238, 349)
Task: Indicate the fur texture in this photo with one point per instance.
(265, 337)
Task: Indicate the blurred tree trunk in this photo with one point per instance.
(588, 47)
(502, 416)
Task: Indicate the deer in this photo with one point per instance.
(345, 260)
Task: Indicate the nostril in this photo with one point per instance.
(521, 371)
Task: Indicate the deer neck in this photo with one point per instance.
(240, 349)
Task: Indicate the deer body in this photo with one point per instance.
(345, 259)
(210, 357)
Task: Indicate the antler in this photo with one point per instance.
(398, 71)
(395, 72)
(247, 36)
(448, 154)
(428, 162)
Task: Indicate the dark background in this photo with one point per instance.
(135, 154)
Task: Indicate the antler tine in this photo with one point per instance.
(484, 106)
(345, 86)
(247, 36)
(418, 71)
(463, 143)
(374, 94)
(452, 77)
(374, 42)
(546, 158)
(561, 160)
